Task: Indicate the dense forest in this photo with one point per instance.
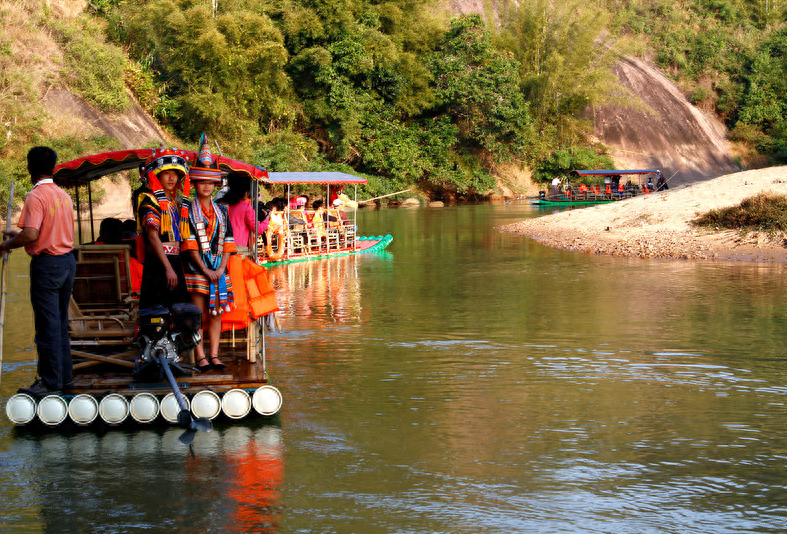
(397, 90)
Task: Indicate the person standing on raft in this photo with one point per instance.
(163, 219)
(208, 249)
(47, 223)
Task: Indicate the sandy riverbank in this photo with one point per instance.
(658, 225)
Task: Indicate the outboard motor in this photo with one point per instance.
(167, 333)
(163, 336)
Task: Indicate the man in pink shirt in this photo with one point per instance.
(47, 223)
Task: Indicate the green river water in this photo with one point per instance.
(462, 381)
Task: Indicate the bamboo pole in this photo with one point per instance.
(4, 276)
(383, 196)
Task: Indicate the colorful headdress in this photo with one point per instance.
(166, 159)
(204, 168)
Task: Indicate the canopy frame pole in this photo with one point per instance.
(287, 234)
(79, 213)
(255, 202)
(90, 207)
(261, 326)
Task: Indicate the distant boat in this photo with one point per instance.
(613, 189)
(301, 234)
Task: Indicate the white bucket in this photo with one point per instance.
(52, 410)
(21, 409)
(236, 404)
(267, 400)
(206, 404)
(144, 408)
(113, 409)
(170, 407)
(83, 409)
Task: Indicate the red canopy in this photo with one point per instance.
(89, 168)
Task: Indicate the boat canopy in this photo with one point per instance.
(615, 172)
(88, 168)
(330, 178)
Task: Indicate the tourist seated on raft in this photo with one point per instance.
(110, 232)
(318, 208)
(129, 235)
(339, 206)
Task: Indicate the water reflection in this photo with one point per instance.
(328, 288)
(145, 480)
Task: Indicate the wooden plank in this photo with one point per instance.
(97, 334)
(104, 359)
(83, 365)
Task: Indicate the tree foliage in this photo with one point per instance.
(389, 87)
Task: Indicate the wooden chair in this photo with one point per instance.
(320, 233)
(102, 284)
(102, 312)
(296, 234)
(336, 226)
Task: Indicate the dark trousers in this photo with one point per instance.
(154, 290)
(51, 281)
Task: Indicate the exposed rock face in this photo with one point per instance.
(134, 128)
(676, 137)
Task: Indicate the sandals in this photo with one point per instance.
(214, 365)
(204, 367)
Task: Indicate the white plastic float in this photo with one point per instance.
(236, 404)
(144, 408)
(206, 404)
(267, 400)
(114, 409)
(83, 409)
(21, 409)
(52, 410)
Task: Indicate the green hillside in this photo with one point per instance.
(396, 90)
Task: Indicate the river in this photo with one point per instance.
(462, 381)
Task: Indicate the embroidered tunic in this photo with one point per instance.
(166, 222)
(153, 287)
(211, 236)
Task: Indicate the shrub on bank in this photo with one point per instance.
(762, 212)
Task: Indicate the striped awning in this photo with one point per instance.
(329, 178)
(616, 172)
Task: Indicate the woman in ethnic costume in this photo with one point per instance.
(163, 220)
(208, 249)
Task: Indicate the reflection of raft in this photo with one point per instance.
(108, 346)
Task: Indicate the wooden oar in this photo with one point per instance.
(3, 276)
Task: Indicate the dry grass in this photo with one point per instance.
(762, 212)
